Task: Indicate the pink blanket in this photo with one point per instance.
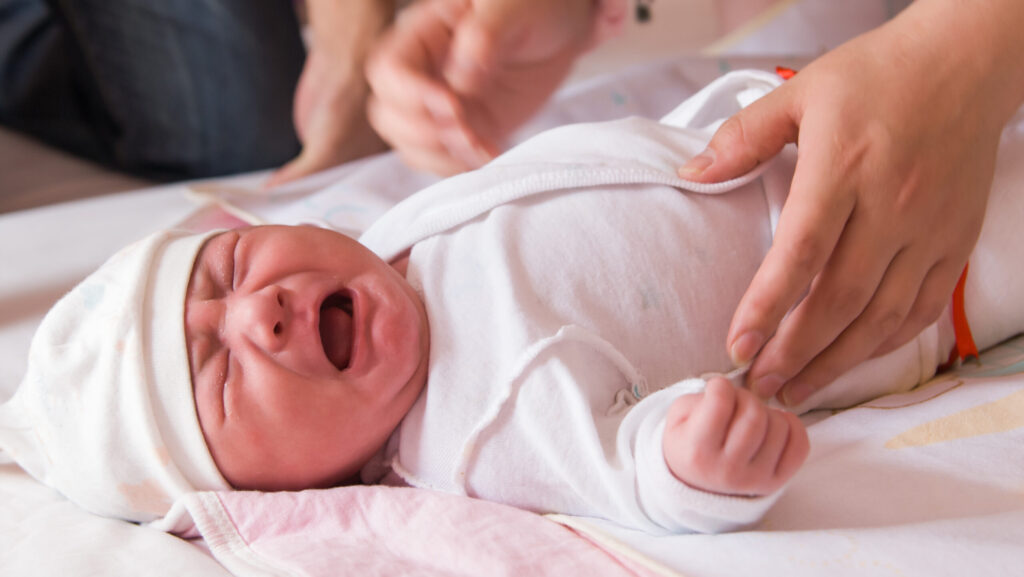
(376, 530)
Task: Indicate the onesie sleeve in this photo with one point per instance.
(563, 432)
(665, 500)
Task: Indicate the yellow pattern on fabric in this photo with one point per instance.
(998, 416)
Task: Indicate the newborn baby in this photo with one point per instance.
(533, 333)
(307, 351)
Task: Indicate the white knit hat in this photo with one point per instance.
(105, 413)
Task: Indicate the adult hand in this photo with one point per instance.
(330, 99)
(897, 135)
(454, 78)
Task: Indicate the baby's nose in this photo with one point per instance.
(261, 317)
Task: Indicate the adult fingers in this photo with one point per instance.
(410, 90)
(323, 148)
(443, 145)
(315, 157)
(932, 299)
(415, 109)
(503, 33)
(293, 170)
(433, 161)
(436, 115)
(404, 68)
(429, 153)
(397, 126)
(753, 135)
(883, 316)
(809, 228)
(839, 295)
(474, 48)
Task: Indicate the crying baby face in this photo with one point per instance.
(305, 350)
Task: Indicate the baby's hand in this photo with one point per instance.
(725, 440)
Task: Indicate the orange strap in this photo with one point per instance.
(785, 73)
(965, 347)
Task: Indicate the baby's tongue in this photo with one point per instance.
(336, 334)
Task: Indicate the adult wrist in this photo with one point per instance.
(975, 47)
(348, 28)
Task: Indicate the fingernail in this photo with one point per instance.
(767, 386)
(697, 165)
(796, 393)
(745, 347)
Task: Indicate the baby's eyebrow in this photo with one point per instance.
(200, 268)
(200, 348)
(211, 267)
(199, 341)
(231, 258)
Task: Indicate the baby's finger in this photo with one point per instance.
(681, 409)
(712, 418)
(768, 457)
(795, 451)
(748, 430)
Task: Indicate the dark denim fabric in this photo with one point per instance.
(159, 88)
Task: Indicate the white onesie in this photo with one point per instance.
(574, 287)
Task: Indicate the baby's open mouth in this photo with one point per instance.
(336, 329)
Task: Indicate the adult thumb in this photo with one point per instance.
(751, 136)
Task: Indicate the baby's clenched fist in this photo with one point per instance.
(725, 440)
